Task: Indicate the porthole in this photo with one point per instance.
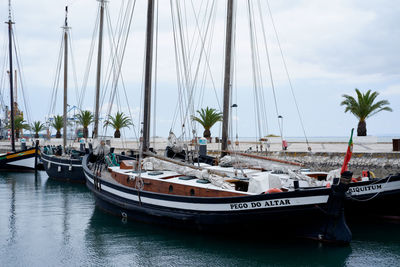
(171, 188)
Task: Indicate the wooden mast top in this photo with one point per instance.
(148, 76)
(98, 74)
(227, 79)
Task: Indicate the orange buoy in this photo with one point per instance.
(354, 180)
(328, 185)
(273, 190)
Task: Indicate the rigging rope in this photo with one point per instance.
(287, 72)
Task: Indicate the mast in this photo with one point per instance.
(10, 23)
(148, 76)
(227, 79)
(65, 117)
(15, 88)
(98, 74)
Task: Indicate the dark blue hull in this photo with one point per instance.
(69, 170)
(379, 198)
(309, 213)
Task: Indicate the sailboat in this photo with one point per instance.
(167, 192)
(24, 159)
(58, 165)
(366, 197)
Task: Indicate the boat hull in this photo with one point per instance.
(19, 161)
(376, 198)
(294, 214)
(63, 169)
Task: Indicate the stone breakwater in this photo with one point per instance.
(381, 164)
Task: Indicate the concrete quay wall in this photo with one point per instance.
(381, 163)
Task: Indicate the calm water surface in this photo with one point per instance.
(49, 223)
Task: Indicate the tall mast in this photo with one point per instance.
(65, 117)
(148, 76)
(98, 74)
(15, 88)
(10, 23)
(227, 79)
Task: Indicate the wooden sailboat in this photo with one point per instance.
(367, 196)
(203, 199)
(64, 166)
(23, 159)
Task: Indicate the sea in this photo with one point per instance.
(51, 223)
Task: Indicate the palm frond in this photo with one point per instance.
(208, 117)
(58, 122)
(119, 121)
(85, 118)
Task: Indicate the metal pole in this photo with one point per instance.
(227, 79)
(98, 75)
(11, 79)
(65, 117)
(148, 76)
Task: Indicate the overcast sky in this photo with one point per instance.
(330, 47)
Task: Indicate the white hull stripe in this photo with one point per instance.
(374, 188)
(29, 162)
(62, 164)
(252, 205)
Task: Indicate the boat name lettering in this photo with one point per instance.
(259, 204)
(364, 188)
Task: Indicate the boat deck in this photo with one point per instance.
(163, 181)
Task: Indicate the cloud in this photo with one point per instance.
(393, 90)
(330, 47)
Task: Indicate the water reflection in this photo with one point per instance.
(46, 219)
(12, 218)
(142, 244)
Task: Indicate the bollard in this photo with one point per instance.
(203, 146)
(23, 144)
(296, 185)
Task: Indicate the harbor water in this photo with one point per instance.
(49, 223)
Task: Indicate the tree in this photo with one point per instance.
(37, 127)
(118, 122)
(208, 117)
(85, 118)
(364, 107)
(19, 125)
(58, 124)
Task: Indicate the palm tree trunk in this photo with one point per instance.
(362, 128)
(58, 134)
(117, 134)
(207, 133)
(85, 132)
(36, 135)
(17, 133)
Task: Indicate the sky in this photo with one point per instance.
(330, 48)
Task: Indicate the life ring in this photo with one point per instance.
(273, 190)
(354, 180)
(372, 174)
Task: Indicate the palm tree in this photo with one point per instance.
(208, 117)
(85, 118)
(118, 122)
(58, 124)
(37, 127)
(364, 107)
(19, 125)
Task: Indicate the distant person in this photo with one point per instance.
(101, 149)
